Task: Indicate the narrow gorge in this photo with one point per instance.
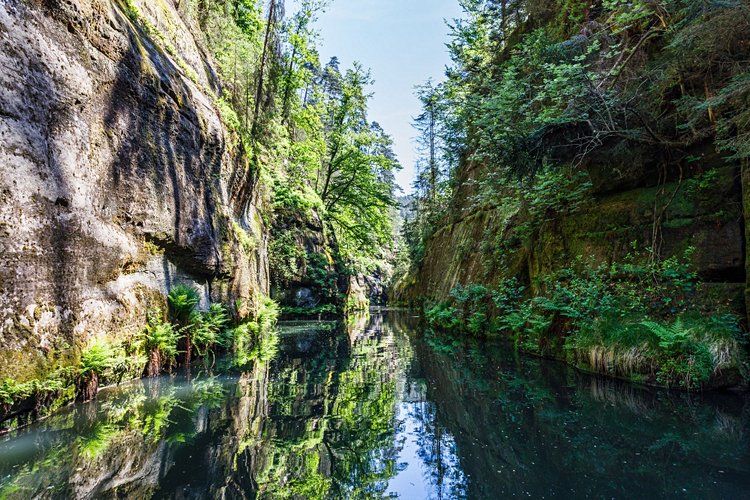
(226, 272)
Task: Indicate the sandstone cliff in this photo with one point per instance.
(686, 207)
(117, 177)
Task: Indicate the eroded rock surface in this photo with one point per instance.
(117, 178)
(707, 218)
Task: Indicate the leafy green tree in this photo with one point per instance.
(355, 178)
(269, 63)
(301, 38)
(542, 86)
(305, 124)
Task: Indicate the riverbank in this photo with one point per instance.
(649, 323)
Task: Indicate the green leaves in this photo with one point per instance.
(257, 339)
(685, 358)
(206, 328)
(159, 335)
(99, 357)
(637, 319)
(355, 180)
(182, 300)
(733, 127)
(285, 258)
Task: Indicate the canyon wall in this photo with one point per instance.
(118, 178)
(634, 198)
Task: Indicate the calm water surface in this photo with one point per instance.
(375, 408)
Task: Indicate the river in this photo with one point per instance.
(374, 407)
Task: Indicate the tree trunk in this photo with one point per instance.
(153, 366)
(433, 161)
(185, 349)
(86, 387)
(288, 85)
(261, 70)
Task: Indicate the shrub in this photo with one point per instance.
(285, 258)
(318, 272)
(638, 320)
(688, 350)
(443, 315)
(508, 295)
(466, 310)
(526, 326)
(268, 314)
(256, 340)
(10, 390)
(299, 200)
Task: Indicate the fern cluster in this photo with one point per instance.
(182, 301)
(641, 321)
(160, 335)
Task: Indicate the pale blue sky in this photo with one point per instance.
(403, 42)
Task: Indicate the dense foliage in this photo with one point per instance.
(539, 87)
(643, 322)
(304, 123)
(542, 100)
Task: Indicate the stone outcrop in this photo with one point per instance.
(117, 177)
(693, 211)
(303, 271)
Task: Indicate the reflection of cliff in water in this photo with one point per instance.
(124, 445)
(529, 427)
(317, 420)
(370, 408)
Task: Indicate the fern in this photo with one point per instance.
(206, 328)
(99, 357)
(683, 360)
(182, 301)
(159, 335)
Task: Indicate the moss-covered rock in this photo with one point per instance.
(698, 213)
(119, 178)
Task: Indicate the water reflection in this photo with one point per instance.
(371, 409)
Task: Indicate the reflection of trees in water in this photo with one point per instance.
(319, 420)
(524, 426)
(436, 445)
(437, 450)
(722, 418)
(331, 430)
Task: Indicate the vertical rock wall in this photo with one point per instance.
(706, 216)
(117, 177)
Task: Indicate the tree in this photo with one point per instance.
(307, 122)
(301, 37)
(269, 58)
(355, 179)
(427, 125)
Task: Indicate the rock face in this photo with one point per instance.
(695, 210)
(303, 271)
(117, 177)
